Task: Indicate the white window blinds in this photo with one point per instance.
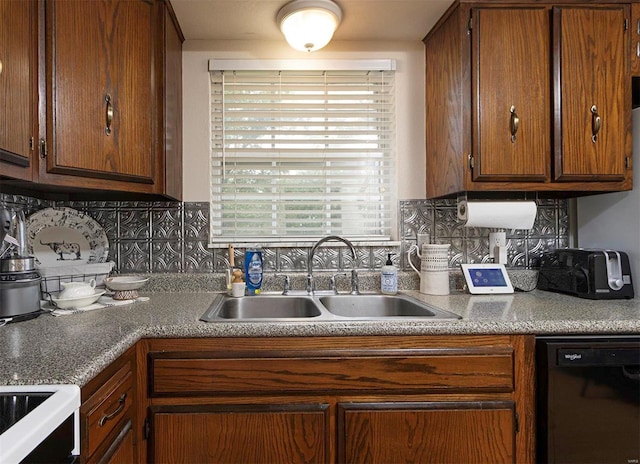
(301, 154)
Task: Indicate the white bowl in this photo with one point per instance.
(77, 302)
(125, 282)
(77, 289)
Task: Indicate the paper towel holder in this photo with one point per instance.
(464, 210)
(497, 235)
(461, 201)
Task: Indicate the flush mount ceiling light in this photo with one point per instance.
(308, 25)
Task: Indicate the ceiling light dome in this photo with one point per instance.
(308, 25)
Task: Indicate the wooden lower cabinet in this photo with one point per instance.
(434, 432)
(420, 432)
(241, 434)
(107, 413)
(387, 399)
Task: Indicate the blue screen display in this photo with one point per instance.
(487, 277)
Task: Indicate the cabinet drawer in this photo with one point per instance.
(393, 371)
(106, 408)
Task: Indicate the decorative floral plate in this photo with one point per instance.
(65, 237)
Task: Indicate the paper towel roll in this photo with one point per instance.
(498, 214)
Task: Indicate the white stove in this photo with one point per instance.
(55, 405)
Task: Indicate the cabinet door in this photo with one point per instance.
(475, 432)
(102, 105)
(172, 106)
(240, 434)
(511, 88)
(592, 94)
(123, 452)
(635, 39)
(120, 451)
(18, 86)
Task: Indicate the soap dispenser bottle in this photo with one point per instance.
(389, 277)
(253, 270)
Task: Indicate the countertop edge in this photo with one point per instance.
(25, 361)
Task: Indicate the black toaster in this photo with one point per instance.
(586, 273)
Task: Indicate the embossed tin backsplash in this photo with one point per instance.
(169, 237)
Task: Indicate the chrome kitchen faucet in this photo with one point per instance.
(310, 287)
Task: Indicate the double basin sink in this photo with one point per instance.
(265, 308)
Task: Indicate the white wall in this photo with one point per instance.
(612, 220)
(410, 131)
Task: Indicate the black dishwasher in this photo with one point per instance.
(588, 399)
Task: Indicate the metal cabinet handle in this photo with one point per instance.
(0, 66)
(514, 123)
(108, 417)
(596, 123)
(43, 148)
(638, 49)
(109, 114)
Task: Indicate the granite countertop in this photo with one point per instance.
(73, 349)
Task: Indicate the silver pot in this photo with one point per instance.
(18, 264)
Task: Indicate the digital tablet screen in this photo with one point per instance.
(487, 277)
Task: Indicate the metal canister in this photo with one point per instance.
(19, 293)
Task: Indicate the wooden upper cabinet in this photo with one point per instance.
(102, 101)
(529, 97)
(635, 39)
(591, 74)
(172, 103)
(94, 88)
(510, 74)
(18, 87)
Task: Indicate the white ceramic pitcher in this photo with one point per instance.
(434, 268)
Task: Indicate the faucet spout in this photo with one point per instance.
(332, 238)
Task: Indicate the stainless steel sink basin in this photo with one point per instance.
(262, 307)
(321, 308)
(382, 306)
